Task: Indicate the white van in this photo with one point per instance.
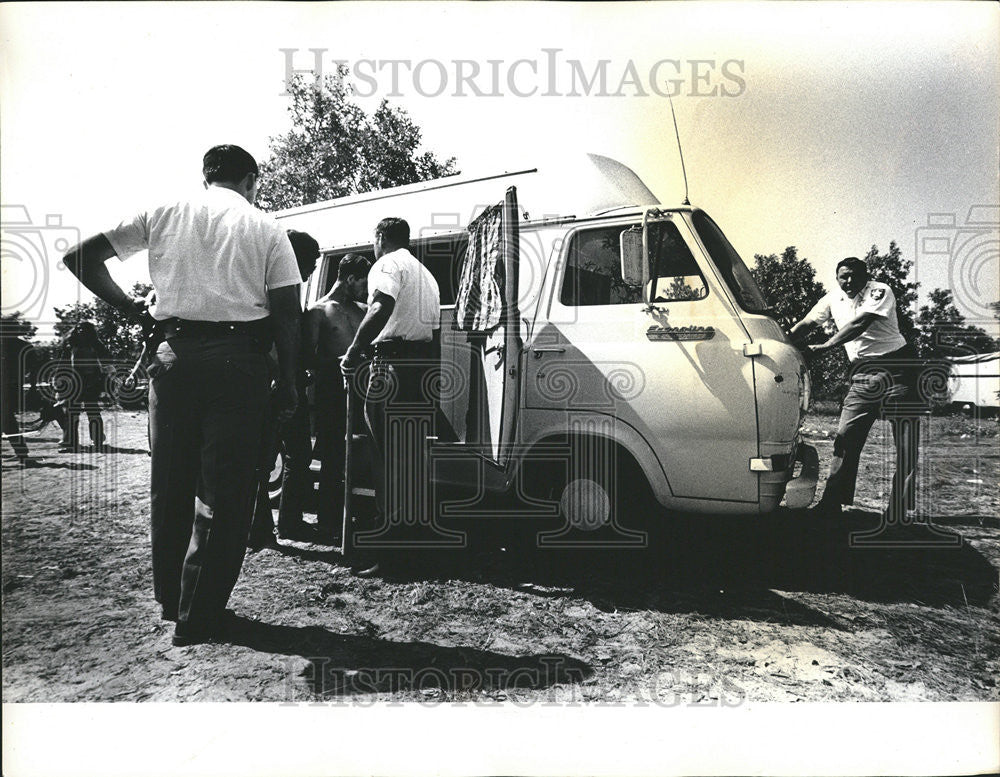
(974, 382)
(609, 377)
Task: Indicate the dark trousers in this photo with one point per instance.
(296, 479)
(331, 430)
(85, 397)
(207, 403)
(400, 414)
(95, 422)
(262, 524)
(881, 388)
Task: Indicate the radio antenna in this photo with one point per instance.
(679, 150)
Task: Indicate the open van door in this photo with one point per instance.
(487, 310)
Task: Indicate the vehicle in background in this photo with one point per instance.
(974, 382)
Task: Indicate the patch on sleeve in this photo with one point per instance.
(877, 294)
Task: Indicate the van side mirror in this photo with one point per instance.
(633, 256)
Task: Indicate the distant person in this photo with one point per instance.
(227, 285)
(882, 382)
(330, 328)
(402, 325)
(13, 370)
(292, 436)
(88, 358)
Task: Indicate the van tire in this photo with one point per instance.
(605, 503)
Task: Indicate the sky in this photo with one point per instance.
(828, 126)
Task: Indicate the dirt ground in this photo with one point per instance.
(715, 612)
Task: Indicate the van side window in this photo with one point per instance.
(443, 256)
(675, 272)
(593, 269)
(333, 259)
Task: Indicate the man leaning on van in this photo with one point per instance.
(882, 384)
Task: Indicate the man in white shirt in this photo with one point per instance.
(882, 385)
(403, 324)
(226, 284)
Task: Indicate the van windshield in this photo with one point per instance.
(736, 274)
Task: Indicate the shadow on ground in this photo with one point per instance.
(345, 665)
(722, 566)
(36, 463)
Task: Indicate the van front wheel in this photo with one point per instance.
(600, 494)
(585, 503)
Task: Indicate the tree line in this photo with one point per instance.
(788, 281)
(334, 149)
(938, 328)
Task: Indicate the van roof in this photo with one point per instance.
(577, 187)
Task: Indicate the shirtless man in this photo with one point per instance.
(328, 331)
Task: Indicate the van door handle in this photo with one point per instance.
(539, 350)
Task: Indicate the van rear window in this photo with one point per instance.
(443, 256)
(593, 269)
(333, 259)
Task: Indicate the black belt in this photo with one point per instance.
(907, 355)
(401, 349)
(179, 327)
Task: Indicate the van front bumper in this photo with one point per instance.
(775, 483)
(799, 491)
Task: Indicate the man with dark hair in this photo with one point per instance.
(293, 437)
(403, 326)
(329, 330)
(306, 252)
(226, 163)
(226, 285)
(882, 382)
(395, 232)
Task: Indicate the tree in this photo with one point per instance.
(891, 269)
(789, 284)
(334, 149)
(944, 332)
(122, 339)
(14, 325)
